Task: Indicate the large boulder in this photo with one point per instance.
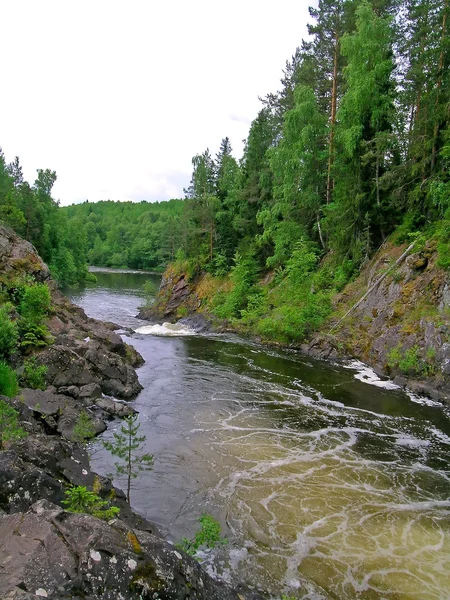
(60, 413)
(76, 363)
(50, 553)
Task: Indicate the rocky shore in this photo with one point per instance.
(45, 551)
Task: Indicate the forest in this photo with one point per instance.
(353, 148)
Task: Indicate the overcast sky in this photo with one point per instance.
(117, 96)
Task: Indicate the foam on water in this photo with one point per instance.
(367, 375)
(165, 330)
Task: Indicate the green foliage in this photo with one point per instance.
(84, 428)
(8, 331)
(8, 380)
(78, 499)
(33, 375)
(128, 446)
(243, 277)
(410, 361)
(208, 536)
(9, 422)
(32, 212)
(34, 336)
(35, 303)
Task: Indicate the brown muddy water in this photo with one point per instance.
(328, 482)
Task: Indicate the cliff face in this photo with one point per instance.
(402, 328)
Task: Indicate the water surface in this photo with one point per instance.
(326, 486)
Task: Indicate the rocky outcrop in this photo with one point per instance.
(49, 553)
(402, 328)
(19, 256)
(87, 359)
(175, 291)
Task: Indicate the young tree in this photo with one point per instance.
(128, 447)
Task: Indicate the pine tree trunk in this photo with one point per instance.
(330, 183)
(129, 467)
(439, 86)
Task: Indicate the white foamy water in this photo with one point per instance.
(367, 375)
(166, 330)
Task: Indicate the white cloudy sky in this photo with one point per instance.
(117, 96)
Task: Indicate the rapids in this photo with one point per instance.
(328, 482)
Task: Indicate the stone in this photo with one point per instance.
(113, 407)
(67, 555)
(92, 390)
(416, 261)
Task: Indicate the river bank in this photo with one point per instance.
(46, 551)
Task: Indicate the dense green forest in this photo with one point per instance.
(353, 147)
(31, 211)
(139, 235)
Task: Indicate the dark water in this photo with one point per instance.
(326, 486)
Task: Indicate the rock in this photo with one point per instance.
(416, 261)
(72, 390)
(92, 365)
(68, 421)
(67, 555)
(115, 408)
(44, 402)
(65, 367)
(198, 323)
(92, 390)
(60, 412)
(400, 381)
(18, 256)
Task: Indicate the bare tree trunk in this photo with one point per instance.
(330, 182)
(439, 86)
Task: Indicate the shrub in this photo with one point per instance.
(33, 375)
(80, 500)
(8, 380)
(243, 276)
(209, 535)
(35, 303)
(8, 331)
(84, 428)
(9, 424)
(410, 362)
(33, 336)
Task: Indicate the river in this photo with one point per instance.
(327, 482)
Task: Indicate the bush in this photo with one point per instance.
(209, 535)
(9, 424)
(410, 362)
(8, 381)
(33, 375)
(35, 303)
(80, 500)
(84, 428)
(8, 331)
(243, 276)
(33, 335)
